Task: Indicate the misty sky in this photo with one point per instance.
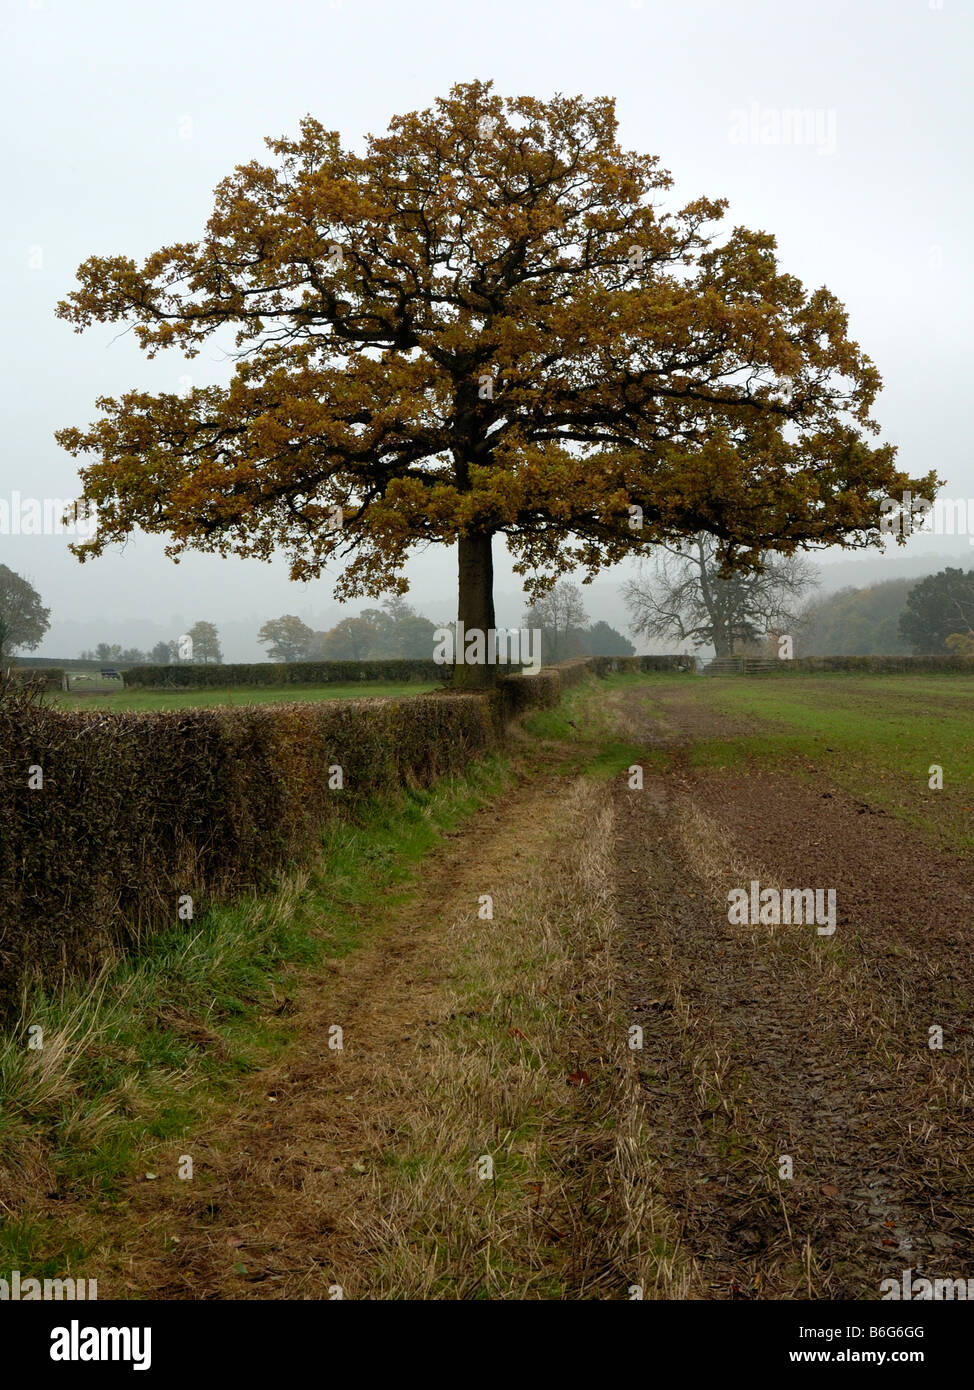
(120, 118)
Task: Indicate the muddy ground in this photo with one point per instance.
(766, 1043)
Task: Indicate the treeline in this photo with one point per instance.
(932, 616)
(856, 622)
(392, 632)
(200, 643)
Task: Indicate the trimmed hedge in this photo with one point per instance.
(137, 810)
(66, 663)
(882, 665)
(280, 673)
(601, 664)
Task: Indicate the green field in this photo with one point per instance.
(873, 736)
(237, 695)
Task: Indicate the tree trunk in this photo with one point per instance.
(475, 609)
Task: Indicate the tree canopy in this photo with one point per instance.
(937, 608)
(286, 639)
(395, 630)
(23, 618)
(603, 640)
(206, 643)
(484, 324)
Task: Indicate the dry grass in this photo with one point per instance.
(535, 1075)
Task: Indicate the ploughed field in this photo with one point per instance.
(810, 1085)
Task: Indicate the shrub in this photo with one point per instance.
(279, 673)
(882, 665)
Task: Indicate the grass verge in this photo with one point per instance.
(93, 1078)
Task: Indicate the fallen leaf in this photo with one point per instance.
(829, 1191)
(579, 1078)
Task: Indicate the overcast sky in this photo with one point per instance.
(120, 118)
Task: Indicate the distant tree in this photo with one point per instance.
(23, 619)
(561, 617)
(691, 598)
(602, 640)
(206, 643)
(393, 631)
(350, 640)
(937, 608)
(855, 622)
(286, 639)
(400, 630)
(160, 654)
(105, 652)
(132, 656)
(414, 637)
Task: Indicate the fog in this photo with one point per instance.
(120, 119)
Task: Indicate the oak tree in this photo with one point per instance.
(286, 639)
(483, 324)
(691, 599)
(23, 618)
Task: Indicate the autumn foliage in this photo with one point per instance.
(484, 324)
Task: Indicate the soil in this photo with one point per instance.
(831, 1067)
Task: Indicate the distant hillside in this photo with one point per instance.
(922, 555)
(856, 622)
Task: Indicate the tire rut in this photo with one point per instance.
(761, 1046)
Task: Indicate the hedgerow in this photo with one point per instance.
(882, 665)
(109, 821)
(281, 673)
